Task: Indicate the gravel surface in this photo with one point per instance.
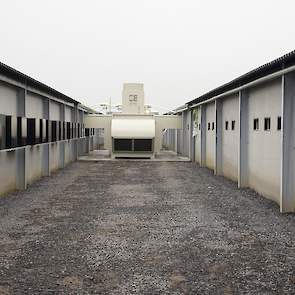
(143, 228)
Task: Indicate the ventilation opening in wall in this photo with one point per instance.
(143, 145)
(122, 145)
(256, 124)
(68, 130)
(63, 130)
(53, 131)
(59, 130)
(233, 125)
(31, 131)
(279, 123)
(266, 124)
(133, 145)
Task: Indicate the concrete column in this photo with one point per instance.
(46, 146)
(76, 141)
(191, 138)
(203, 136)
(243, 138)
(62, 146)
(21, 154)
(287, 192)
(175, 140)
(218, 133)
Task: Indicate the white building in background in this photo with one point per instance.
(135, 132)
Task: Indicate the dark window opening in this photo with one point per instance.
(41, 130)
(233, 125)
(63, 130)
(72, 130)
(11, 131)
(68, 130)
(53, 130)
(8, 131)
(79, 130)
(87, 132)
(31, 131)
(226, 125)
(199, 126)
(279, 123)
(266, 124)
(2, 132)
(256, 124)
(209, 126)
(59, 131)
(48, 131)
(212, 125)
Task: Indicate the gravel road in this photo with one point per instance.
(143, 228)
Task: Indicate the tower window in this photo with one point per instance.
(226, 125)
(209, 126)
(212, 125)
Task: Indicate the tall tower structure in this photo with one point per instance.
(133, 98)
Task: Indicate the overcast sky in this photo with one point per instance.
(178, 49)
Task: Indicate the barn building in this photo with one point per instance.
(244, 130)
(41, 130)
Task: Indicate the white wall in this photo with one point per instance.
(264, 148)
(55, 111)
(8, 99)
(230, 138)
(210, 136)
(34, 106)
(8, 171)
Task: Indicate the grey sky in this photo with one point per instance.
(179, 49)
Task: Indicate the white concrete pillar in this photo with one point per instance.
(62, 146)
(46, 147)
(243, 138)
(287, 191)
(203, 136)
(191, 138)
(21, 154)
(218, 134)
(175, 140)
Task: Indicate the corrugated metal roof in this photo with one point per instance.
(22, 78)
(266, 69)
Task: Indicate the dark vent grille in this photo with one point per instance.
(122, 145)
(143, 145)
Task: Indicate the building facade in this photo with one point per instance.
(41, 130)
(244, 130)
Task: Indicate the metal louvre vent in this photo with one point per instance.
(143, 145)
(133, 145)
(122, 145)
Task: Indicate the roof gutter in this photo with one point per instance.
(253, 83)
